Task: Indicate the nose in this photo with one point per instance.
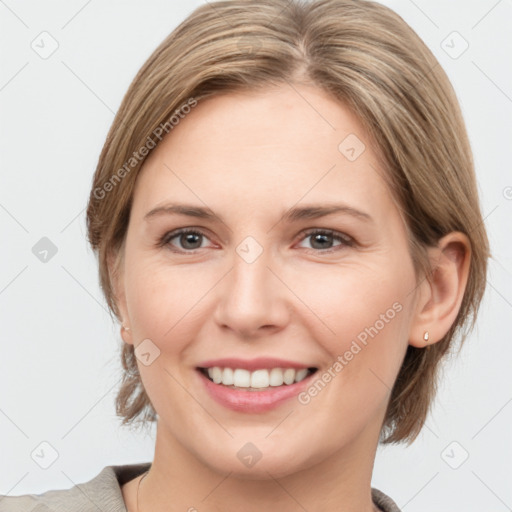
(252, 300)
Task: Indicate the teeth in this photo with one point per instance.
(289, 376)
(276, 377)
(301, 374)
(216, 375)
(227, 377)
(258, 379)
(241, 378)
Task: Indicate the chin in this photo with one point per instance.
(250, 463)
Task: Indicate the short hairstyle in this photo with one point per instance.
(364, 55)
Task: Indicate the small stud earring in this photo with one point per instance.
(426, 337)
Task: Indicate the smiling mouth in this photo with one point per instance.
(258, 380)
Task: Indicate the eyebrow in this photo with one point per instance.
(292, 215)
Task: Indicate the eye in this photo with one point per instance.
(322, 240)
(190, 239)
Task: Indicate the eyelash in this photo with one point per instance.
(346, 241)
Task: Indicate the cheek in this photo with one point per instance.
(349, 300)
(370, 317)
(164, 300)
(362, 320)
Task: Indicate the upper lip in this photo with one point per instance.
(253, 364)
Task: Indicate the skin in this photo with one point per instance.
(250, 157)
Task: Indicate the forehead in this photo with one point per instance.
(282, 145)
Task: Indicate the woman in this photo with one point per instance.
(289, 233)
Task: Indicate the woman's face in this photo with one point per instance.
(267, 280)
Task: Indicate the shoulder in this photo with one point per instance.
(103, 493)
(383, 501)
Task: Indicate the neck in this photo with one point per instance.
(339, 483)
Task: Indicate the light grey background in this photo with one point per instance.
(59, 366)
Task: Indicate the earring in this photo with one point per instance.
(425, 336)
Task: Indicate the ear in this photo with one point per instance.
(115, 263)
(441, 296)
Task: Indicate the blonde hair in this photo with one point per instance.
(361, 53)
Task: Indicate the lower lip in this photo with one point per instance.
(252, 401)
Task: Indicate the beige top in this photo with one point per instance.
(103, 493)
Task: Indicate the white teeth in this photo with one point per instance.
(289, 376)
(301, 374)
(257, 379)
(227, 377)
(241, 378)
(215, 374)
(276, 377)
